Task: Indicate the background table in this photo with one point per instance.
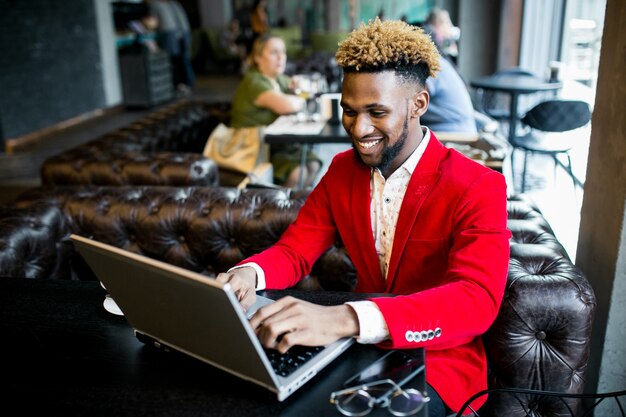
(515, 85)
(330, 133)
(63, 354)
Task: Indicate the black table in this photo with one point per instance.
(63, 354)
(515, 85)
(330, 133)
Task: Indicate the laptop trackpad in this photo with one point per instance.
(260, 302)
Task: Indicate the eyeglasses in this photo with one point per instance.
(360, 400)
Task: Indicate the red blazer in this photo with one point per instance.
(448, 264)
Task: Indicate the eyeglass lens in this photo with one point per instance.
(359, 403)
(406, 403)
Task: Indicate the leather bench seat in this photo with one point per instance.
(540, 339)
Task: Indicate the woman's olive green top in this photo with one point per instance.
(244, 112)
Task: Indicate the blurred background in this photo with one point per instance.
(62, 60)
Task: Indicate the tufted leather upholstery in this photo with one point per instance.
(163, 148)
(33, 242)
(540, 339)
(546, 346)
(205, 229)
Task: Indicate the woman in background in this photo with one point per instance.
(265, 93)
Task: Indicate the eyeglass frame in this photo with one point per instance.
(383, 401)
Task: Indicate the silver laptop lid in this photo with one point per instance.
(181, 309)
(194, 314)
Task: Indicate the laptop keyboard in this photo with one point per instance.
(286, 363)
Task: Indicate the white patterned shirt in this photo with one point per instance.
(386, 198)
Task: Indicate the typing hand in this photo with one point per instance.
(243, 283)
(290, 321)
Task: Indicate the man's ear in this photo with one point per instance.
(419, 103)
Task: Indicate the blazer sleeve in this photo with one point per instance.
(303, 242)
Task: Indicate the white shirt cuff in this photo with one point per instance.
(260, 275)
(372, 325)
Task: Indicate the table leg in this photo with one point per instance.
(513, 118)
(304, 150)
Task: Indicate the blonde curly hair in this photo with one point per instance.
(389, 45)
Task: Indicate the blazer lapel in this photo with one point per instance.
(424, 177)
(366, 259)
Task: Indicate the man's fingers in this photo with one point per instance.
(270, 310)
(247, 299)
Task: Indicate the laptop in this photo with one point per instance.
(178, 309)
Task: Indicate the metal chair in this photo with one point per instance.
(533, 403)
(555, 115)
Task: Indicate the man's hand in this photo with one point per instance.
(290, 321)
(243, 283)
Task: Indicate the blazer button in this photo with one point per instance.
(424, 336)
(409, 336)
(431, 334)
(438, 332)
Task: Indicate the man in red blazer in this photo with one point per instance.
(418, 220)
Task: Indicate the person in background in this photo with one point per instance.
(444, 33)
(417, 219)
(451, 108)
(174, 36)
(258, 18)
(265, 93)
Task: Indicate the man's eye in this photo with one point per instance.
(348, 112)
(377, 113)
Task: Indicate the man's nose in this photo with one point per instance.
(361, 126)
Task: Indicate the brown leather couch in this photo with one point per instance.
(540, 339)
(163, 148)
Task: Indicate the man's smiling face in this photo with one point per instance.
(380, 114)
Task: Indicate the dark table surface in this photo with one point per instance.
(523, 84)
(63, 354)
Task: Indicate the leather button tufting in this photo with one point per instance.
(232, 240)
(206, 210)
(154, 210)
(541, 335)
(181, 239)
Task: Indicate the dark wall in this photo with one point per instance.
(49, 63)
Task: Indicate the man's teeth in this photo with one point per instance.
(369, 144)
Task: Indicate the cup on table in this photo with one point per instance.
(330, 108)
